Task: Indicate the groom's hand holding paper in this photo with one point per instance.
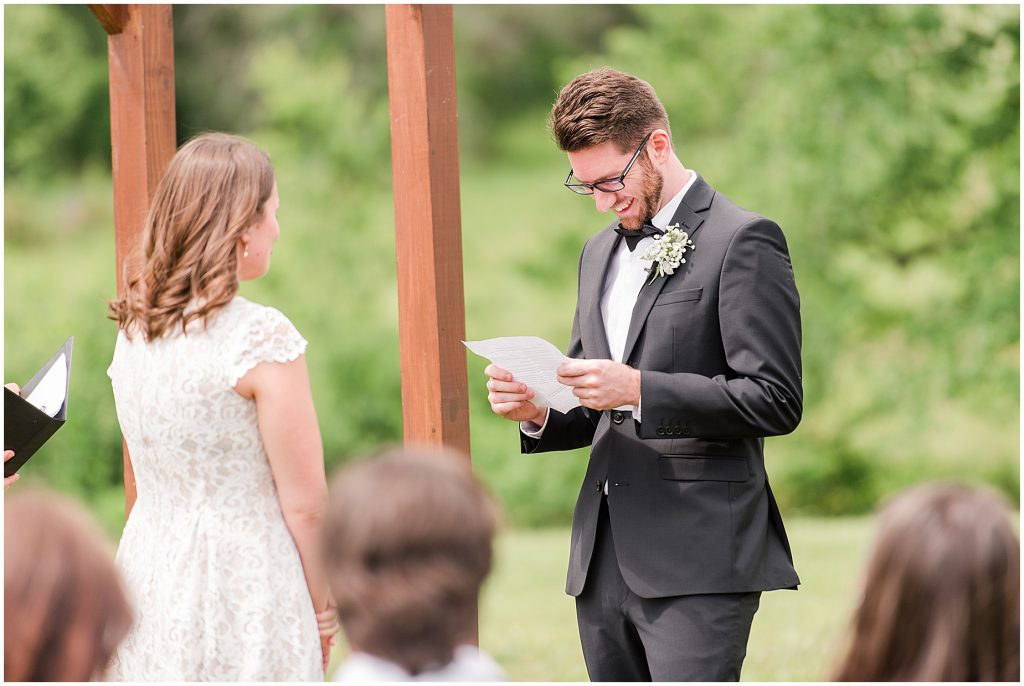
(511, 399)
(601, 384)
(523, 381)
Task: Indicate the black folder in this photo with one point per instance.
(26, 427)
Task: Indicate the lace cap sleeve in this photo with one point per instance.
(264, 335)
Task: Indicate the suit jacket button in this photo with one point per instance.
(597, 484)
(661, 431)
(686, 431)
(617, 417)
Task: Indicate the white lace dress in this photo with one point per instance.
(214, 575)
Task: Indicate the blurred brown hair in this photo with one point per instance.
(65, 611)
(941, 593)
(408, 544)
(606, 105)
(215, 187)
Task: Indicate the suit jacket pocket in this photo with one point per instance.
(699, 468)
(684, 295)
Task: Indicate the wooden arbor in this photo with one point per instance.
(425, 169)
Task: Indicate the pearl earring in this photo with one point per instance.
(246, 252)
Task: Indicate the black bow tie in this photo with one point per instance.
(634, 237)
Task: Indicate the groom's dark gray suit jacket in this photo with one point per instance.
(717, 344)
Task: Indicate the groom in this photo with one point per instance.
(682, 368)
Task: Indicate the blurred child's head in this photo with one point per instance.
(941, 595)
(65, 610)
(408, 544)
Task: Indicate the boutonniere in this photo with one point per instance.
(667, 252)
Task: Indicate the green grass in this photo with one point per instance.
(528, 624)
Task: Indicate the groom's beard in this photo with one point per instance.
(649, 197)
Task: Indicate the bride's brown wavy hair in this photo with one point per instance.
(215, 188)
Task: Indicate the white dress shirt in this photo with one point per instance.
(627, 273)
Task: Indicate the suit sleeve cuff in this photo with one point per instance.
(532, 429)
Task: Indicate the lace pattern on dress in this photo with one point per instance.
(267, 336)
(212, 571)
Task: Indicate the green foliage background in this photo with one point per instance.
(883, 139)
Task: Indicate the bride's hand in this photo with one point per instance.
(327, 624)
(326, 643)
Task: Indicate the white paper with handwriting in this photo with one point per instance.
(532, 361)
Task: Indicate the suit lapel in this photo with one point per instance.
(592, 276)
(689, 216)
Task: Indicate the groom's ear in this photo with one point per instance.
(660, 146)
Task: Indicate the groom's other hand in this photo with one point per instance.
(601, 384)
(510, 398)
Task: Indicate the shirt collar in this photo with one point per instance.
(665, 214)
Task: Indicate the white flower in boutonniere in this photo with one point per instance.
(667, 252)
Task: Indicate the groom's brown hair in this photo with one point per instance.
(606, 105)
(408, 544)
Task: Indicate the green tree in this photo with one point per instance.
(56, 115)
(885, 139)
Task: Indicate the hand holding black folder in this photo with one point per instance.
(26, 426)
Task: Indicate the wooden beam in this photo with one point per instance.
(110, 17)
(425, 169)
(142, 130)
(428, 226)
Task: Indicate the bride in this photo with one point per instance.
(225, 480)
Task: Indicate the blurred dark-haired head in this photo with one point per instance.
(941, 596)
(65, 611)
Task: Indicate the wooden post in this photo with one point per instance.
(425, 169)
(142, 132)
(111, 17)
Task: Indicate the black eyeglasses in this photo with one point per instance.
(606, 185)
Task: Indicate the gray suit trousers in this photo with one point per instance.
(681, 638)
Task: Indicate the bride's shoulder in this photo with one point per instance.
(248, 319)
(242, 309)
(252, 333)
